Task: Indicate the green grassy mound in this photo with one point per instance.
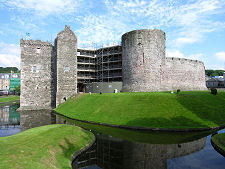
(219, 140)
(50, 146)
(193, 109)
(9, 99)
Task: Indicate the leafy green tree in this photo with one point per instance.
(211, 73)
(17, 89)
(9, 69)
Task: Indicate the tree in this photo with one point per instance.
(17, 90)
(211, 73)
(9, 69)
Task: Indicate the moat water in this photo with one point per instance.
(124, 149)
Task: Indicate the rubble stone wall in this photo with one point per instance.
(66, 46)
(143, 52)
(183, 74)
(36, 75)
(145, 67)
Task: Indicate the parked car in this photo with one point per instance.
(4, 92)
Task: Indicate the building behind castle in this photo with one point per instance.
(51, 74)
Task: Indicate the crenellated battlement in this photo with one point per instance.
(183, 59)
(34, 43)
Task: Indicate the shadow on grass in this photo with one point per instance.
(152, 137)
(68, 148)
(208, 107)
(160, 122)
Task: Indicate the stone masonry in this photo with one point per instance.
(145, 67)
(143, 52)
(49, 73)
(66, 43)
(36, 75)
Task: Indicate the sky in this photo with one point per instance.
(195, 29)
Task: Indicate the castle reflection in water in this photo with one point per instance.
(110, 152)
(9, 117)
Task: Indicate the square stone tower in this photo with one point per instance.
(66, 47)
(37, 86)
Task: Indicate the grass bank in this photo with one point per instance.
(219, 140)
(151, 137)
(193, 109)
(9, 99)
(50, 146)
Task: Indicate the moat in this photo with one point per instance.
(122, 148)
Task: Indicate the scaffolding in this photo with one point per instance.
(109, 64)
(86, 70)
(101, 65)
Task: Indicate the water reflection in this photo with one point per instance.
(115, 153)
(152, 137)
(9, 120)
(119, 148)
(35, 118)
(13, 122)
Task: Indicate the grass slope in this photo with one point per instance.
(9, 99)
(50, 146)
(194, 109)
(219, 140)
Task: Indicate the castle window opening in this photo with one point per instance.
(66, 68)
(38, 50)
(34, 69)
(143, 57)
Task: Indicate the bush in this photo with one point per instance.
(178, 91)
(213, 91)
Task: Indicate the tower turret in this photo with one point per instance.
(143, 54)
(66, 47)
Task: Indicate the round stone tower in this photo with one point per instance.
(143, 53)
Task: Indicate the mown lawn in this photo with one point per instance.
(50, 146)
(9, 99)
(191, 109)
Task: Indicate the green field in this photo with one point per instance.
(219, 140)
(9, 99)
(50, 146)
(193, 109)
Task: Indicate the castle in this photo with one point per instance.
(51, 74)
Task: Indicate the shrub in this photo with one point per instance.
(213, 91)
(178, 91)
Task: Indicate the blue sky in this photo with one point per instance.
(195, 29)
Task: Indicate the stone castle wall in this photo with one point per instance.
(183, 74)
(49, 73)
(143, 52)
(66, 46)
(145, 67)
(36, 75)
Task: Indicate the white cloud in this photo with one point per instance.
(201, 57)
(100, 30)
(185, 22)
(197, 56)
(179, 54)
(220, 56)
(174, 53)
(215, 67)
(44, 7)
(9, 55)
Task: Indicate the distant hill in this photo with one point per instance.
(211, 73)
(9, 69)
